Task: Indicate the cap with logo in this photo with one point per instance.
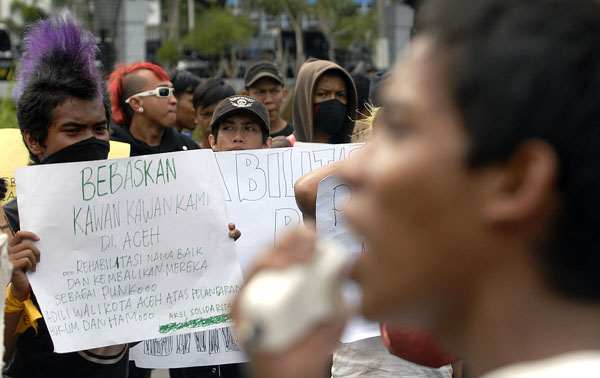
(235, 105)
(261, 70)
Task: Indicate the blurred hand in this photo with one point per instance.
(24, 256)
(311, 356)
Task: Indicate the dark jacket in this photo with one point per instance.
(171, 141)
(34, 355)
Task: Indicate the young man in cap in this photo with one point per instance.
(240, 123)
(265, 82)
(478, 195)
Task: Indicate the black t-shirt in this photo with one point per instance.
(34, 356)
(287, 130)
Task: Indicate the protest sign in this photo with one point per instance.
(259, 188)
(131, 249)
(14, 154)
(259, 194)
(211, 347)
(332, 196)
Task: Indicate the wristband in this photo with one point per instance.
(30, 312)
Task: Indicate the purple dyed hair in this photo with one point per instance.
(57, 35)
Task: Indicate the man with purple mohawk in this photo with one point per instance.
(63, 111)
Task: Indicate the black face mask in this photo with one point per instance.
(86, 150)
(329, 116)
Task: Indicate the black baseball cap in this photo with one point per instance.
(261, 70)
(235, 105)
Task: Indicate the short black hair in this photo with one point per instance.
(184, 82)
(210, 91)
(53, 83)
(265, 133)
(524, 69)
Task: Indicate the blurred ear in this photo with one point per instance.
(284, 93)
(524, 188)
(245, 93)
(268, 143)
(196, 120)
(136, 104)
(212, 142)
(33, 145)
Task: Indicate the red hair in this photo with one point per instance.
(115, 86)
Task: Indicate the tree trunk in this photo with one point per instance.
(279, 56)
(331, 47)
(191, 15)
(296, 21)
(173, 19)
(300, 58)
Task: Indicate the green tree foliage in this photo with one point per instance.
(217, 33)
(342, 24)
(217, 30)
(8, 112)
(168, 53)
(295, 11)
(22, 14)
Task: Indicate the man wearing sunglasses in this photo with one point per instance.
(145, 110)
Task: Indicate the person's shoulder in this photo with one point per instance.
(189, 143)
(285, 132)
(118, 133)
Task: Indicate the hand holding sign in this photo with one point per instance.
(135, 248)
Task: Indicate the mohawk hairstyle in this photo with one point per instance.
(120, 91)
(57, 40)
(57, 64)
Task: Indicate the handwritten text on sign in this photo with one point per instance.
(131, 248)
(333, 195)
(260, 190)
(259, 193)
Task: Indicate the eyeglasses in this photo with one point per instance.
(162, 92)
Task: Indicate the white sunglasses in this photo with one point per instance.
(162, 92)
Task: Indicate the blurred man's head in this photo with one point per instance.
(62, 105)
(240, 123)
(143, 93)
(184, 83)
(264, 81)
(485, 159)
(207, 96)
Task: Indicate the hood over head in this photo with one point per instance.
(302, 108)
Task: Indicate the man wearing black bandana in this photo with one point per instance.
(324, 106)
(63, 112)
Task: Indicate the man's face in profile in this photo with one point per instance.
(415, 200)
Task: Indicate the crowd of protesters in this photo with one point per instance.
(476, 193)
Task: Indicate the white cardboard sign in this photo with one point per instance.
(259, 194)
(131, 249)
(332, 196)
